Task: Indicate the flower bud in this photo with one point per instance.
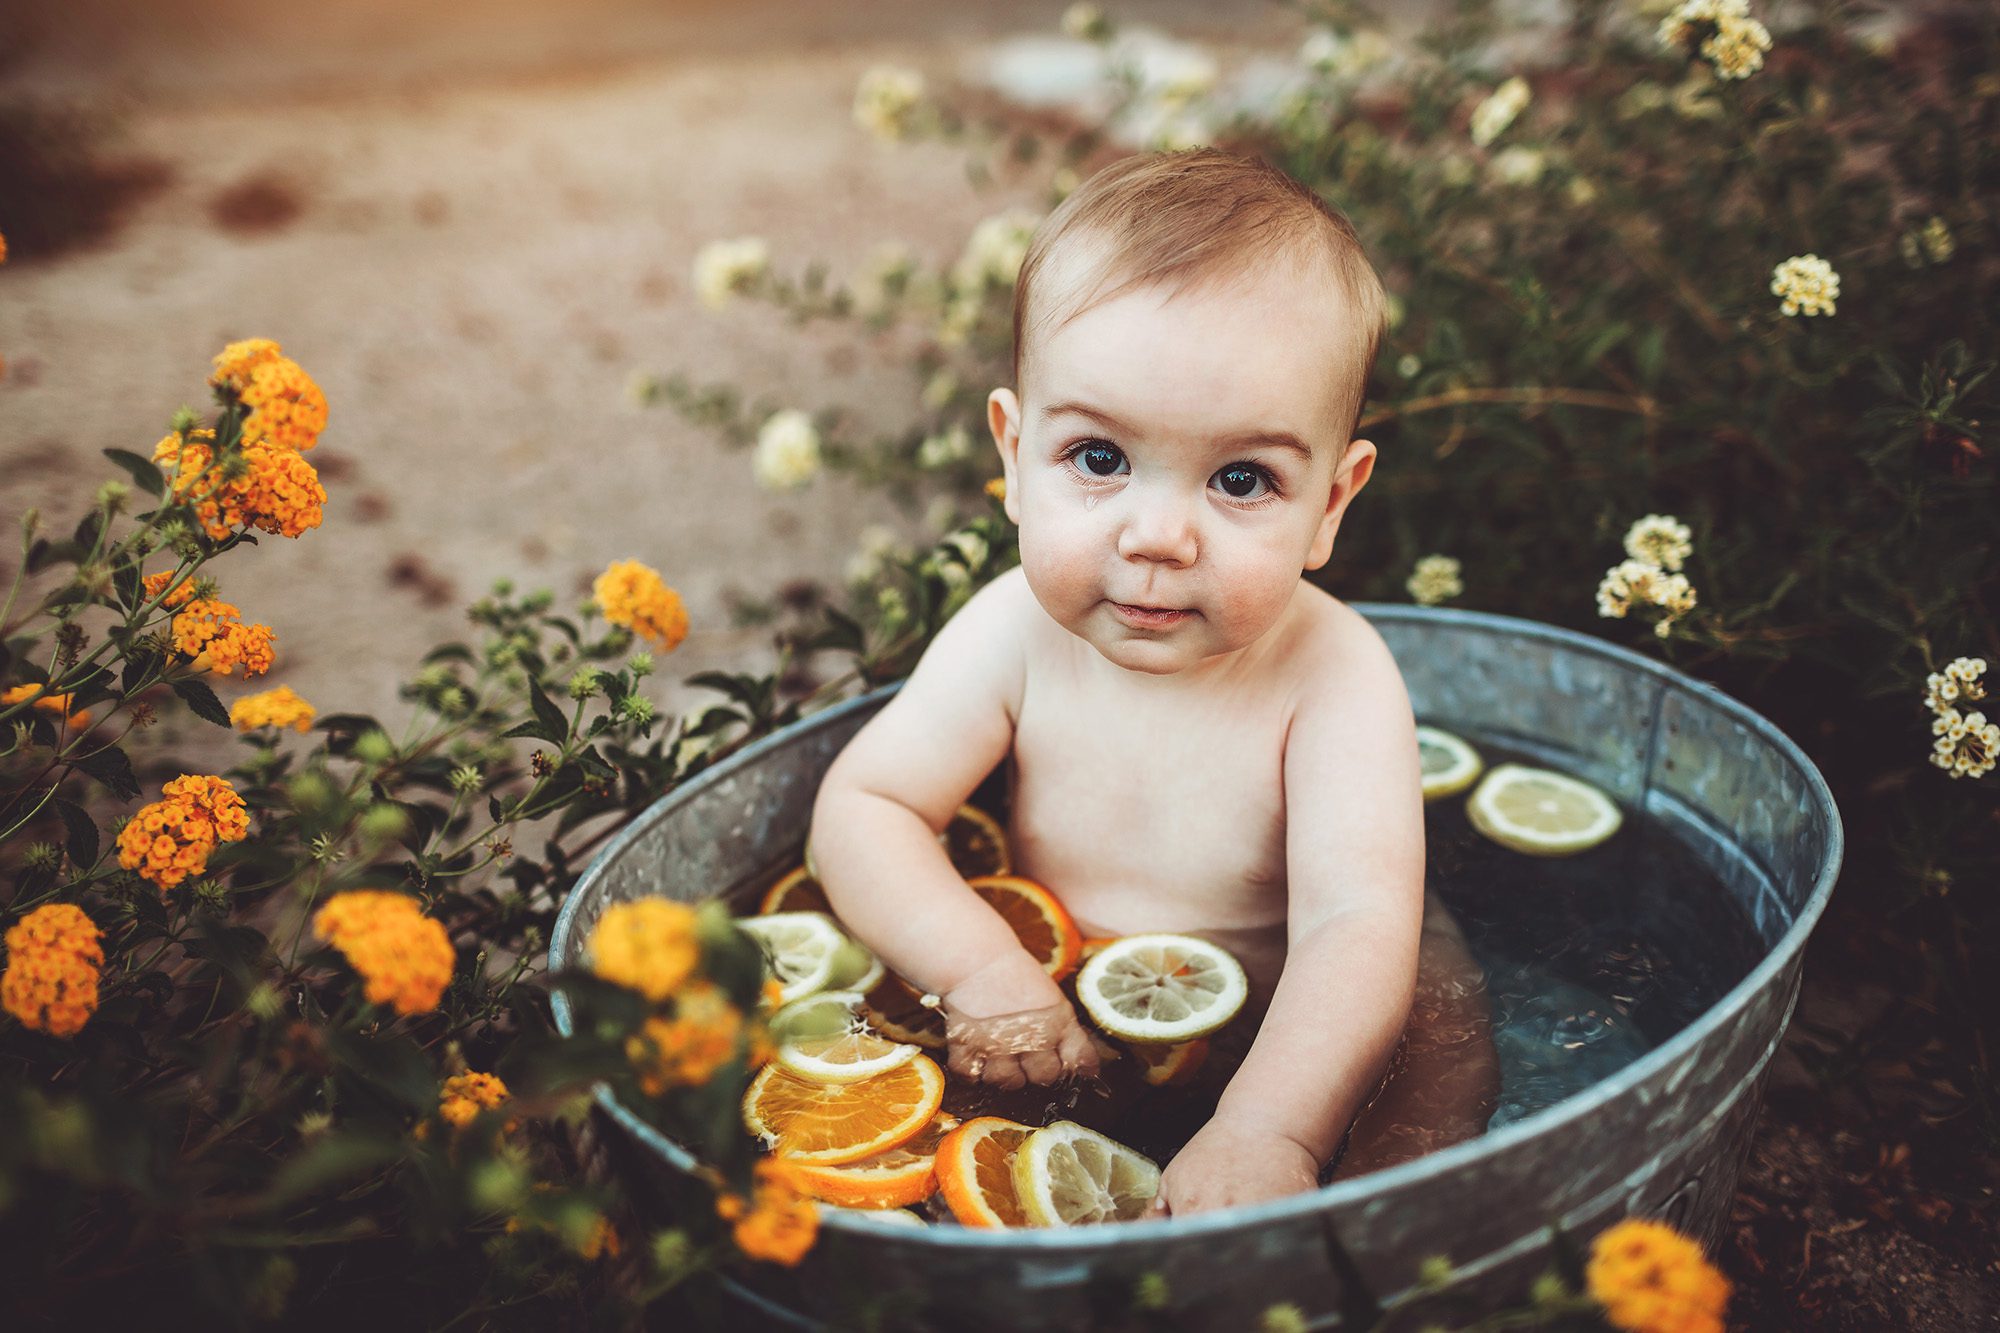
(374, 747)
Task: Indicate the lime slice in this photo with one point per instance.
(1449, 764)
(799, 949)
(1541, 812)
(1065, 1174)
(854, 967)
(825, 1039)
(826, 1014)
(1161, 988)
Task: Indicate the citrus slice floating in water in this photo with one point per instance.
(824, 1038)
(975, 1171)
(800, 949)
(898, 1013)
(1162, 988)
(1170, 1066)
(796, 892)
(975, 843)
(1541, 812)
(1066, 1174)
(903, 1175)
(827, 1124)
(1039, 921)
(855, 967)
(1449, 764)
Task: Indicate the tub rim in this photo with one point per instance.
(1325, 1198)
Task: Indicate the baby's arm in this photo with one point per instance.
(880, 807)
(1354, 851)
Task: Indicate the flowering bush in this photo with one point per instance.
(287, 1025)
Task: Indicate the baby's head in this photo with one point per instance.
(1193, 334)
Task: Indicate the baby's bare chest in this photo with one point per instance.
(1149, 817)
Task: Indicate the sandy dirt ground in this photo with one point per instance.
(473, 234)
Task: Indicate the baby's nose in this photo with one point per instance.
(1159, 528)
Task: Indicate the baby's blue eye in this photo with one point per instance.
(1100, 460)
(1240, 481)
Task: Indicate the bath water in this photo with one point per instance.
(1589, 961)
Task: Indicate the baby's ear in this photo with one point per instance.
(1348, 479)
(1003, 418)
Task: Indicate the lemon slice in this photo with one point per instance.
(1164, 988)
(1449, 764)
(824, 1038)
(1066, 1174)
(855, 967)
(890, 1217)
(800, 949)
(1541, 812)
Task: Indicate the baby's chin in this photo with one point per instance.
(1149, 656)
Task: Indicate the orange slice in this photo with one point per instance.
(1170, 1066)
(1039, 921)
(897, 1178)
(895, 1010)
(796, 892)
(975, 1172)
(976, 844)
(827, 1124)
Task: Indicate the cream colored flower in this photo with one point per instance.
(887, 277)
(1330, 53)
(945, 448)
(787, 450)
(1515, 165)
(1806, 284)
(1967, 745)
(1636, 584)
(1498, 111)
(1958, 682)
(723, 268)
(1932, 243)
(1736, 48)
(877, 544)
(994, 251)
(886, 101)
(1676, 28)
(1434, 580)
(1660, 539)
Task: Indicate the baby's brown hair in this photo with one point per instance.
(1184, 218)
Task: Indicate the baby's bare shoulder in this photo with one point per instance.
(1336, 654)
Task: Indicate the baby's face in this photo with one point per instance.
(1173, 469)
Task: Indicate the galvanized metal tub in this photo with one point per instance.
(1665, 1136)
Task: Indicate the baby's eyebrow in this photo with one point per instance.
(1246, 439)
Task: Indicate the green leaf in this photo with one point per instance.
(111, 767)
(553, 728)
(333, 1160)
(82, 840)
(201, 701)
(142, 470)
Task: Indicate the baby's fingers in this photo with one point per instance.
(1041, 1066)
(1079, 1052)
(1003, 1071)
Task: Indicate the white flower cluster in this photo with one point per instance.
(1497, 112)
(878, 546)
(1330, 53)
(1806, 284)
(1734, 42)
(886, 101)
(787, 453)
(1933, 243)
(958, 557)
(1967, 745)
(1434, 580)
(1660, 539)
(945, 448)
(723, 268)
(1658, 545)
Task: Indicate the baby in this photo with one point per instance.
(1202, 741)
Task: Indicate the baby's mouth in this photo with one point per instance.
(1149, 617)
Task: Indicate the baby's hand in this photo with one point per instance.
(1001, 1028)
(1229, 1162)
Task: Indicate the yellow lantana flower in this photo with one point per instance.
(278, 708)
(213, 635)
(782, 1222)
(635, 596)
(464, 1096)
(1651, 1279)
(49, 703)
(648, 946)
(685, 1051)
(404, 956)
(53, 964)
(277, 491)
(171, 838)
